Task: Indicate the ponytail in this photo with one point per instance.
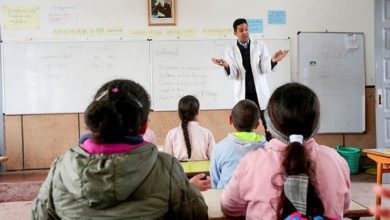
(184, 126)
(188, 110)
(296, 162)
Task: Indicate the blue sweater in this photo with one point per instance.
(226, 155)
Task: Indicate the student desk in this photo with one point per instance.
(192, 168)
(212, 198)
(382, 157)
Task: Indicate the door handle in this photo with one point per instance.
(379, 101)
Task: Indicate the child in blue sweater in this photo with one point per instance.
(227, 153)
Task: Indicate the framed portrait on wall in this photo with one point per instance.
(161, 12)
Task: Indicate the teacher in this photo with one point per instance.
(246, 62)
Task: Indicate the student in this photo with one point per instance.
(189, 141)
(381, 211)
(150, 136)
(115, 174)
(259, 187)
(226, 154)
(246, 62)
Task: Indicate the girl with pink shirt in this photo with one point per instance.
(293, 176)
(189, 141)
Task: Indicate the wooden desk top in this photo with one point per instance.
(385, 152)
(212, 198)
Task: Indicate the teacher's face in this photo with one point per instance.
(242, 33)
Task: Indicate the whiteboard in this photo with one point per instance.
(62, 77)
(184, 68)
(332, 64)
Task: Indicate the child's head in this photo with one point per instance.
(120, 107)
(245, 116)
(188, 108)
(188, 111)
(293, 116)
(293, 109)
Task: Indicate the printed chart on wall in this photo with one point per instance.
(332, 64)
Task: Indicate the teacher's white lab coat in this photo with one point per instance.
(260, 63)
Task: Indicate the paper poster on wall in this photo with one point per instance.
(351, 42)
(255, 25)
(182, 32)
(217, 31)
(63, 15)
(140, 33)
(21, 17)
(96, 31)
(276, 17)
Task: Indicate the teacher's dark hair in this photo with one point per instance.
(245, 115)
(188, 109)
(120, 107)
(295, 109)
(237, 22)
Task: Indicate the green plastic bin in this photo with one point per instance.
(351, 155)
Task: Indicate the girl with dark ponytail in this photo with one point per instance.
(294, 176)
(189, 141)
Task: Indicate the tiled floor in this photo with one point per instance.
(362, 185)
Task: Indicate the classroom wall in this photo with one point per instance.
(211, 19)
(33, 141)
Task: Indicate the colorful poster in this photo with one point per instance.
(64, 15)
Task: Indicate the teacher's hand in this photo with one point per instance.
(278, 56)
(220, 62)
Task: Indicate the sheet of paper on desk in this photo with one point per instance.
(381, 150)
(378, 150)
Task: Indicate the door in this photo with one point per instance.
(382, 73)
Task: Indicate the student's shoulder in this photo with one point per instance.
(328, 153)
(255, 156)
(173, 131)
(208, 131)
(167, 160)
(223, 143)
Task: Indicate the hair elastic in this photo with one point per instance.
(101, 95)
(296, 138)
(115, 90)
(135, 100)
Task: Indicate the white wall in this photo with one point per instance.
(193, 16)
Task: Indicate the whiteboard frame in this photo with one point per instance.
(323, 130)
